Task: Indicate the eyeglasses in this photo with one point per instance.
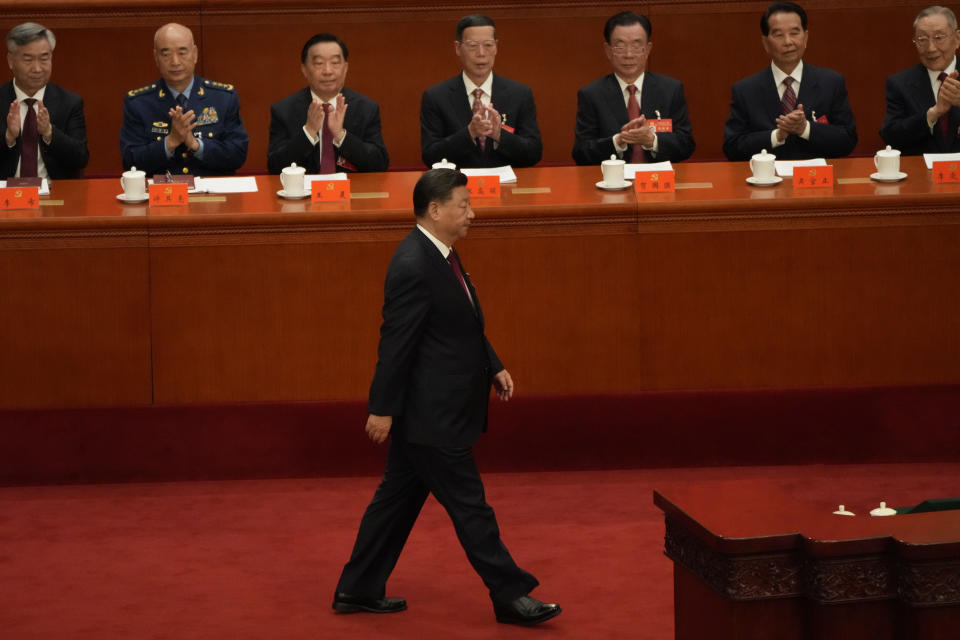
(474, 46)
(623, 47)
(923, 41)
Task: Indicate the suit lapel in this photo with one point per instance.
(769, 95)
(459, 104)
(809, 89)
(614, 97)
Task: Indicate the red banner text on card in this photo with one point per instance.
(330, 190)
(19, 198)
(168, 195)
(812, 177)
(946, 171)
(654, 181)
(483, 186)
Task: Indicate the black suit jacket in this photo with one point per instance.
(435, 366)
(904, 127)
(445, 113)
(362, 149)
(67, 154)
(602, 112)
(755, 106)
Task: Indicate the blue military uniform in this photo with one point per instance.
(146, 123)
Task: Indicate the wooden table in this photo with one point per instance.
(753, 561)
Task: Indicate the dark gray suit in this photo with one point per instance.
(909, 95)
(67, 154)
(755, 106)
(433, 375)
(602, 112)
(363, 148)
(445, 113)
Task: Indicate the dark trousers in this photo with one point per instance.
(450, 474)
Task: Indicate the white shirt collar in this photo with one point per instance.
(21, 96)
(332, 103)
(486, 87)
(935, 75)
(624, 84)
(779, 75)
(442, 248)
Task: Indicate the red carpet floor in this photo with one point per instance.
(259, 559)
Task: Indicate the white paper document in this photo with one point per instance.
(930, 158)
(243, 184)
(785, 167)
(44, 187)
(630, 170)
(506, 173)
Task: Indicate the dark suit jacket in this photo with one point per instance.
(904, 127)
(362, 149)
(755, 107)
(435, 366)
(67, 154)
(445, 113)
(602, 112)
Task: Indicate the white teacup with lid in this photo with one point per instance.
(443, 164)
(613, 172)
(762, 165)
(134, 184)
(292, 180)
(887, 162)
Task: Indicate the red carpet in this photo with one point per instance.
(259, 558)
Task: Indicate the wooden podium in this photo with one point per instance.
(753, 562)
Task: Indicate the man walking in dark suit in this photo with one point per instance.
(923, 102)
(326, 127)
(429, 395)
(477, 118)
(632, 113)
(794, 110)
(44, 131)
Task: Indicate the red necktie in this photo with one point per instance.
(633, 112)
(455, 263)
(328, 163)
(943, 123)
(477, 105)
(789, 100)
(28, 142)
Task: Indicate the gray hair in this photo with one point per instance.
(937, 10)
(25, 33)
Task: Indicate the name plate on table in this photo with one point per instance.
(946, 171)
(168, 195)
(654, 181)
(330, 190)
(811, 177)
(483, 186)
(19, 198)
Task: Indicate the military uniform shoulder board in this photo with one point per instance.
(218, 85)
(144, 89)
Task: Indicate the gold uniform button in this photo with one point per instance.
(185, 170)
(158, 137)
(210, 135)
(184, 155)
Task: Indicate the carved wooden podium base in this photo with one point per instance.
(751, 563)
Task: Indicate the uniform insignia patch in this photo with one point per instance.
(209, 115)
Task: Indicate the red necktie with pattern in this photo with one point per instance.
(633, 112)
(28, 142)
(455, 263)
(943, 123)
(789, 100)
(477, 105)
(328, 162)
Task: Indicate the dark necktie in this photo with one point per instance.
(789, 100)
(633, 112)
(28, 142)
(328, 163)
(455, 263)
(943, 123)
(477, 106)
(182, 101)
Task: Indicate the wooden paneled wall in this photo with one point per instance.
(397, 49)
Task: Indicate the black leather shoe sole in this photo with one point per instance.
(512, 618)
(387, 605)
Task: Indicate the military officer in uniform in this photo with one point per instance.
(182, 123)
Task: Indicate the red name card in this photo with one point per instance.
(661, 125)
(946, 171)
(168, 195)
(19, 198)
(808, 177)
(653, 181)
(483, 186)
(330, 190)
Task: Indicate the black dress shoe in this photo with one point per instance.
(344, 603)
(526, 611)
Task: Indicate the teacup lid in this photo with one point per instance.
(443, 164)
(133, 173)
(763, 155)
(613, 160)
(889, 152)
(293, 168)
